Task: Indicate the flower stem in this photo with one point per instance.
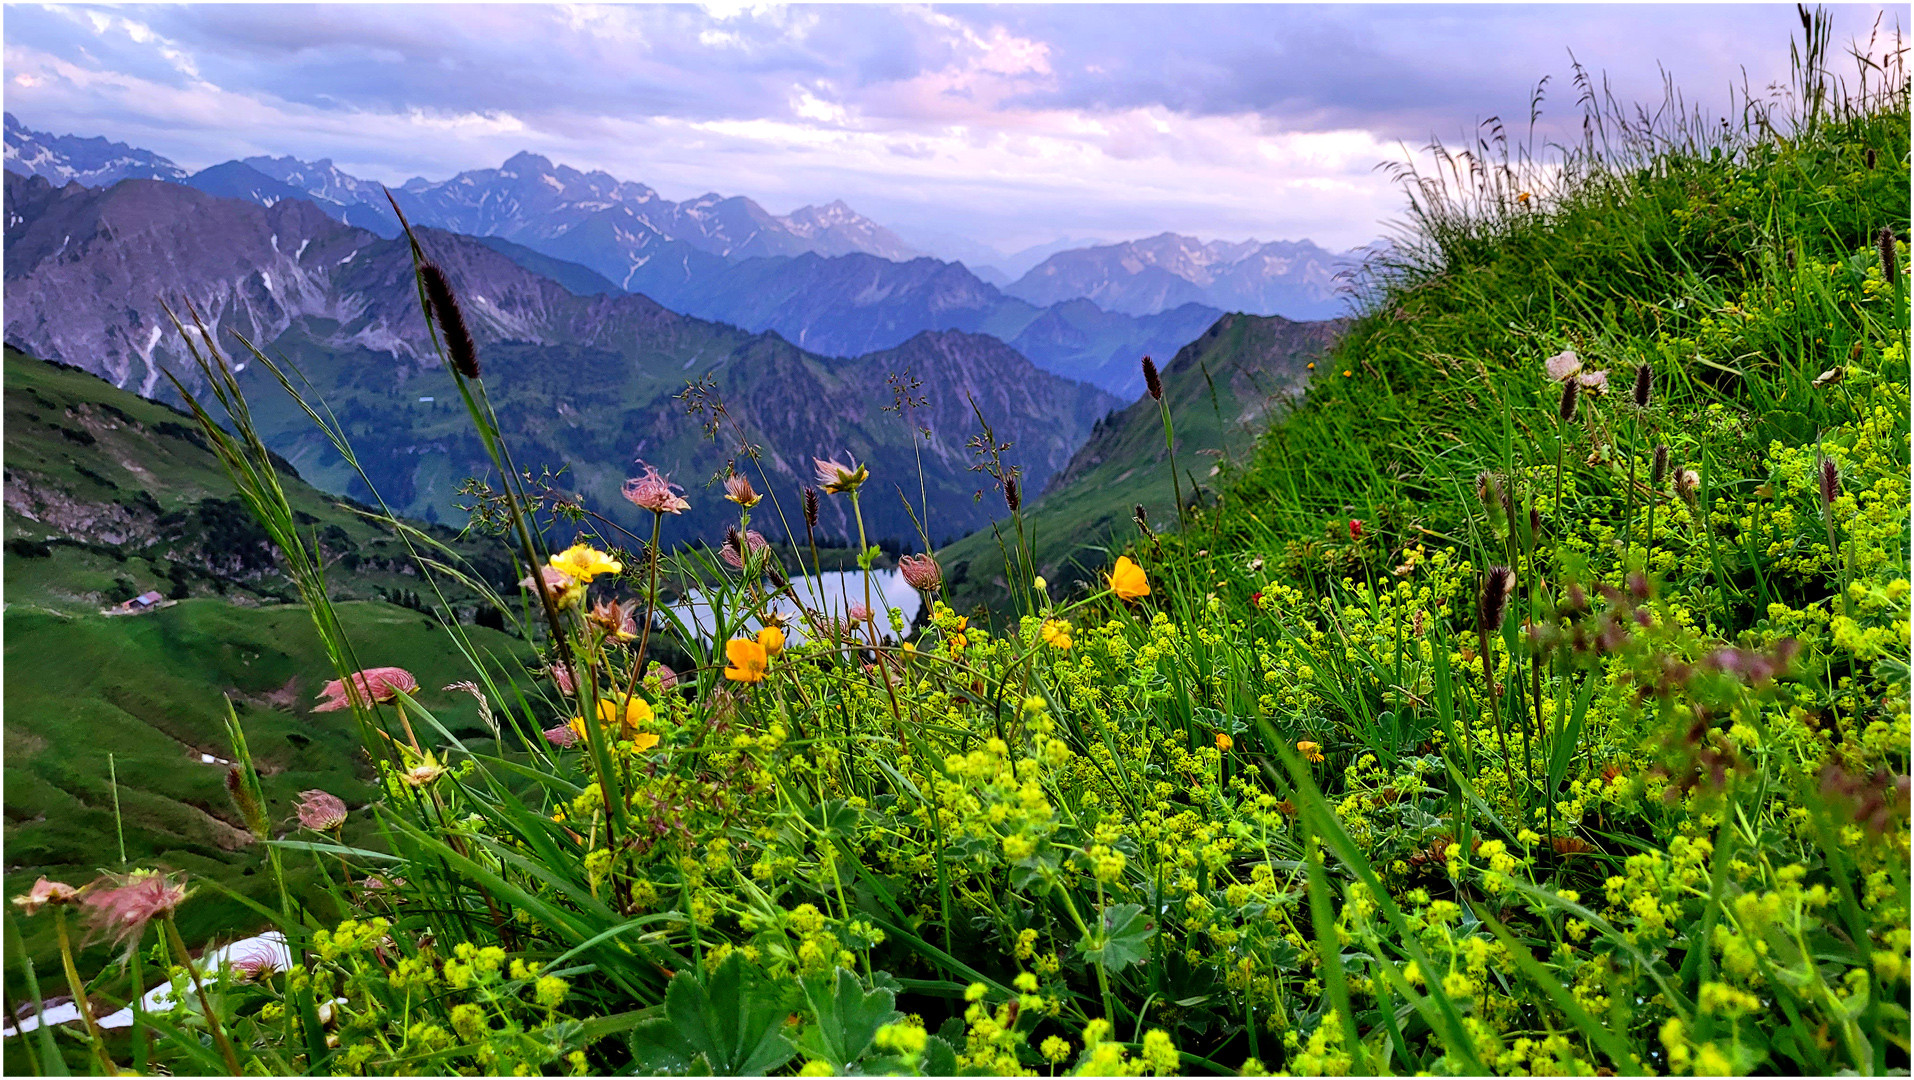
(205, 1003)
(78, 990)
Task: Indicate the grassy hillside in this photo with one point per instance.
(1222, 390)
(109, 495)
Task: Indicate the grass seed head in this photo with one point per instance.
(1830, 482)
(1492, 604)
(1644, 385)
(1659, 471)
(1151, 379)
(1566, 410)
(810, 508)
(451, 319)
(1890, 266)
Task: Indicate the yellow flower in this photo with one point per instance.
(772, 639)
(1056, 634)
(1224, 742)
(636, 711)
(1309, 750)
(747, 660)
(1127, 580)
(584, 562)
(955, 634)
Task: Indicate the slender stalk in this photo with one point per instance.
(651, 593)
(883, 670)
(205, 1004)
(1169, 442)
(78, 990)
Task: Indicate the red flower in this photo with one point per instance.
(370, 685)
(1355, 528)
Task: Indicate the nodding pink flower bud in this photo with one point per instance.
(320, 811)
(859, 613)
(1687, 482)
(1566, 410)
(738, 489)
(666, 677)
(43, 893)
(1492, 603)
(1151, 380)
(445, 311)
(562, 675)
(562, 736)
(121, 910)
(1830, 482)
(921, 572)
(368, 686)
(655, 493)
(1644, 385)
(732, 552)
(1658, 471)
(810, 508)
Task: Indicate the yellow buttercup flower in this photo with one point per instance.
(772, 639)
(635, 712)
(584, 562)
(747, 660)
(1056, 634)
(1310, 751)
(1127, 580)
(1224, 742)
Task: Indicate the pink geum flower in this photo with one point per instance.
(257, 959)
(1562, 365)
(562, 675)
(370, 685)
(43, 893)
(921, 572)
(835, 478)
(728, 551)
(860, 614)
(655, 493)
(737, 488)
(556, 581)
(321, 811)
(562, 736)
(121, 909)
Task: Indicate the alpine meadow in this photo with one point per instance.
(1509, 677)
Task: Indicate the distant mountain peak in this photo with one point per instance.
(94, 162)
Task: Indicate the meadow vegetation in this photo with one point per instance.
(1534, 701)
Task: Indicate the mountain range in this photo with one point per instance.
(584, 384)
(824, 276)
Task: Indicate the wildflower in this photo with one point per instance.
(772, 639)
(1831, 377)
(1151, 380)
(1056, 634)
(582, 562)
(921, 572)
(733, 549)
(957, 634)
(445, 310)
(837, 478)
(666, 677)
(738, 489)
(562, 675)
(122, 909)
(1562, 365)
(1523, 197)
(258, 959)
(427, 770)
(1224, 742)
(1595, 382)
(1127, 580)
(562, 736)
(860, 614)
(1355, 528)
(45, 893)
(321, 811)
(616, 618)
(1038, 583)
(747, 660)
(565, 591)
(1687, 482)
(1311, 752)
(368, 686)
(655, 493)
(635, 712)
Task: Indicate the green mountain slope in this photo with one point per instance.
(1222, 389)
(108, 495)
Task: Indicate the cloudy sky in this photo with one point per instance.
(1006, 125)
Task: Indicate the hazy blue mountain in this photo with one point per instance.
(94, 162)
(1298, 279)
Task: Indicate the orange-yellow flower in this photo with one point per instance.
(635, 712)
(1224, 742)
(747, 660)
(1056, 634)
(1127, 580)
(772, 639)
(584, 562)
(1309, 750)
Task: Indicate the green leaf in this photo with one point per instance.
(730, 1027)
(1121, 938)
(847, 1018)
